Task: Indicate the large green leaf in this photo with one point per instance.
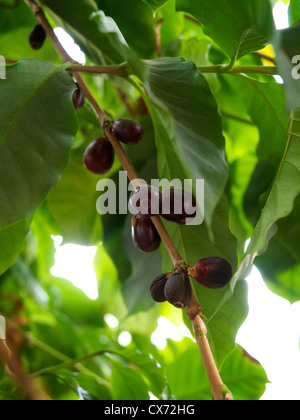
(266, 107)
(238, 27)
(196, 142)
(281, 276)
(244, 376)
(279, 200)
(97, 35)
(263, 106)
(133, 17)
(37, 128)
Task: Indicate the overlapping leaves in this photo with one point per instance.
(237, 27)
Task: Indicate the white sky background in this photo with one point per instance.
(272, 330)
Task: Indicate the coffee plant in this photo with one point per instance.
(170, 90)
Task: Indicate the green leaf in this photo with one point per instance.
(133, 17)
(279, 200)
(96, 34)
(148, 365)
(266, 107)
(280, 270)
(281, 276)
(12, 240)
(294, 12)
(243, 376)
(37, 129)
(195, 146)
(265, 110)
(127, 383)
(249, 28)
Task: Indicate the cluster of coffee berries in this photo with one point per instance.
(172, 204)
(174, 288)
(212, 272)
(99, 156)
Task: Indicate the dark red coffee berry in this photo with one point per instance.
(128, 131)
(37, 37)
(146, 200)
(78, 98)
(178, 206)
(157, 288)
(144, 234)
(99, 156)
(213, 272)
(178, 290)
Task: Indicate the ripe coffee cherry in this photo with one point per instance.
(78, 98)
(99, 156)
(157, 288)
(178, 290)
(213, 272)
(146, 200)
(178, 206)
(37, 37)
(128, 131)
(144, 235)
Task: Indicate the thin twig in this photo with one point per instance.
(214, 377)
(158, 37)
(122, 70)
(192, 19)
(264, 57)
